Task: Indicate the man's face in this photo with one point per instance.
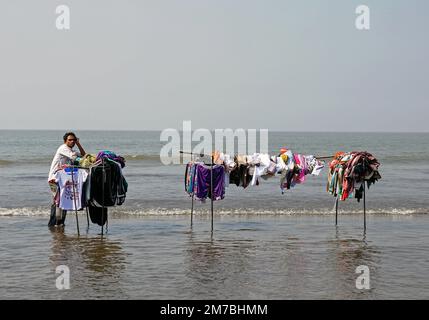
(71, 141)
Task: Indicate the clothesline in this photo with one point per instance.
(206, 155)
(347, 176)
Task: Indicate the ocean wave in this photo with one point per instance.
(116, 211)
(176, 160)
(400, 160)
(47, 160)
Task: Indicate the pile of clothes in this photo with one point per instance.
(348, 173)
(247, 170)
(89, 160)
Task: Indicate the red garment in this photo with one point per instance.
(368, 165)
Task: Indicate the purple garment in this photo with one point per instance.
(203, 182)
(112, 156)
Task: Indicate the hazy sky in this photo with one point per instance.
(281, 65)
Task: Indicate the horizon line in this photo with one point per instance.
(269, 130)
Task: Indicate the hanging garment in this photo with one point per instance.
(246, 170)
(261, 164)
(112, 156)
(70, 181)
(349, 172)
(190, 174)
(314, 166)
(362, 167)
(300, 168)
(241, 159)
(336, 173)
(203, 178)
(240, 176)
(115, 186)
(87, 160)
(288, 172)
(280, 165)
(228, 162)
(216, 157)
(272, 167)
(98, 215)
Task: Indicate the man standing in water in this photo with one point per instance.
(64, 155)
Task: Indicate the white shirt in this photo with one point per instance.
(69, 195)
(64, 155)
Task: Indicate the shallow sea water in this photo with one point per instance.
(246, 257)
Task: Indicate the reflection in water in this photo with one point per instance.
(347, 254)
(278, 258)
(281, 267)
(96, 264)
(295, 267)
(211, 265)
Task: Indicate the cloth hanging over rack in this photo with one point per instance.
(89, 181)
(198, 181)
(70, 181)
(115, 186)
(293, 168)
(247, 170)
(106, 154)
(349, 171)
(87, 160)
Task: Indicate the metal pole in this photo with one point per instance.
(74, 200)
(192, 207)
(87, 218)
(336, 211)
(364, 200)
(324, 157)
(192, 153)
(192, 193)
(102, 196)
(211, 190)
(364, 207)
(211, 182)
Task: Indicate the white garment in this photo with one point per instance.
(64, 155)
(227, 161)
(317, 169)
(290, 160)
(69, 195)
(317, 165)
(280, 165)
(264, 162)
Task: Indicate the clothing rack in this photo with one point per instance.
(74, 193)
(336, 200)
(364, 206)
(74, 200)
(102, 192)
(201, 155)
(324, 157)
(317, 157)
